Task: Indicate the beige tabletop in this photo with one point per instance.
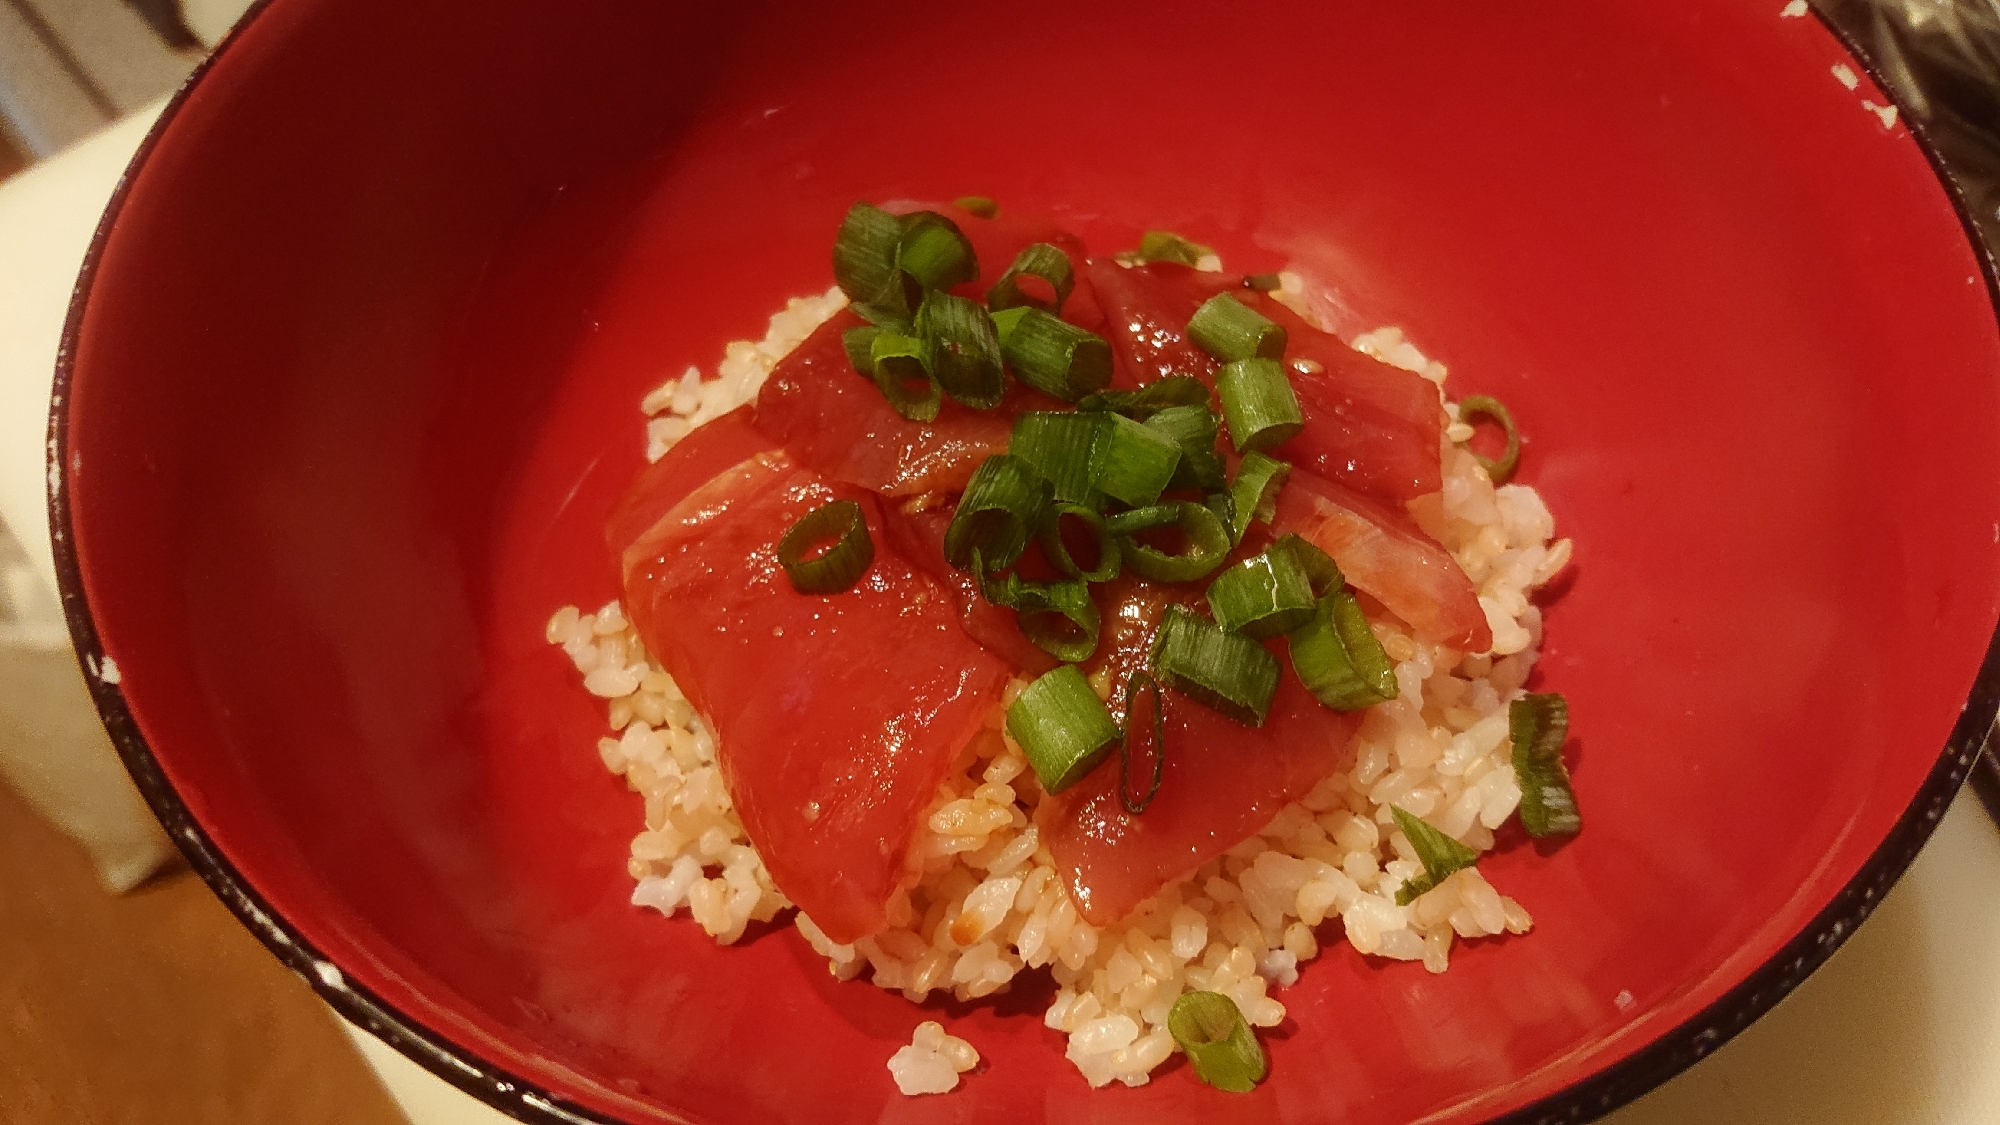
(1902, 1025)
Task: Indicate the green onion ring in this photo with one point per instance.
(1208, 546)
(1258, 403)
(1056, 550)
(838, 567)
(1036, 260)
(1538, 724)
(1137, 805)
(1263, 595)
(1337, 657)
(1220, 1046)
(1486, 406)
(1062, 728)
(903, 375)
(998, 512)
(1254, 493)
(1230, 330)
(963, 347)
(1139, 405)
(1226, 672)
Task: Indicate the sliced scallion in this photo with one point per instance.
(1063, 729)
(1055, 542)
(1486, 406)
(1440, 854)
(964, 349)
(1132, 462)
(1207, 545)
(841, 563)
(1038, 260)
(1143, 519)
(977, 205)
(1254, 492)
(1060, 618)
(1052, 355)
(1319, 566)
(1258, 403)
(1224, 507)
(1225, 671)
(860, 345)
(1220, 1046)
(1539, 723)
(1173, 390)
(1195, 428)
(1061, 446)
(932, 253)
(1338, 658)
(1000, 508)
(1262, 596)
(864, 263)
(903, 375)
(1166, 246)
(1134, 725)
(1229, 330)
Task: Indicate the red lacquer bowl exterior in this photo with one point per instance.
(353, 375)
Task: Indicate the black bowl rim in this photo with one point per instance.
(1623, 1081)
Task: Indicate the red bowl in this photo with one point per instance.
(351, 381)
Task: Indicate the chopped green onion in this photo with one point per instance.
(903, 375)
(1229, 330)
(1060, 618)
(1486, 406)
(1060, 445)
(1207, 545)
(1220, 1046)
(1263, 282)
(1052, 355)
(1254, 492)
(1196, 429)
(1143, 519)
(1038, 260)
(840, 565)
(1055, 547)
(1063, 729)
(1166, 246)
(1173, 390)
(1539, 723)
(860, 345)
(932, 253)
(1137, 804)
(1262, 596)
(964, 349)
(1224, 507)
(864, 263)
(1440, 854)
(1258, 403)
(1319, 566)
(978, 205)
(1000, 508)
(1132, 462)
(1338, 658)
(1228, 672)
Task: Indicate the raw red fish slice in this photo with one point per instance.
(836, 717)
(918, 535)
(1223, 782)
(832, 420)
(706, 450)
(1370, 426)
(1146, 310)
(1383, 553)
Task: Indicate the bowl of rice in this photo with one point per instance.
(330, 516)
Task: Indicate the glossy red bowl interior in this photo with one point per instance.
(356, 376)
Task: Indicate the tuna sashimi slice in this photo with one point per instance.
(1146, 310)
(834, 421)
(837, 716)
(1222, 783)
(1383, 553)
(1368, 425)
(693, 461)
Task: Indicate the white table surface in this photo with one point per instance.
(1901, 1026)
